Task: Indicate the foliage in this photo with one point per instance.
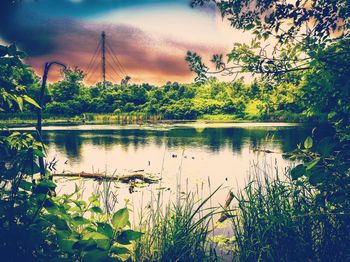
(326, 88)
(14, 77)
(307, 218)
(34, 223)
(323, 17)
(180, 101)
(277, 219)
(177, 231)
(314, 61)
(299, 26)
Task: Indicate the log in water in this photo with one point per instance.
(123, 179)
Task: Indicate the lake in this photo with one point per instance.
(188, 157)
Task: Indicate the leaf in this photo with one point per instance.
(60, 223)
(47, 184)
(39, 153)
(95, 236)
(325, 146)
(101, 240)
(20, 103)
(66, 245)
(119, 250)
(308, 142)
(312, 164)
(85, 244)
(31, 101)
(25, 185)
(79, 220)
(120, 218)
(105, 229)
(128, 235)
(249, 27)
(298, 171)
(131, 234)
(96, 210)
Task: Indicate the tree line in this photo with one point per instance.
(237, 100)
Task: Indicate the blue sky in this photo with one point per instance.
(150, 37)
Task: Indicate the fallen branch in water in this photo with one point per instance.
(267, 151)
(123, 179)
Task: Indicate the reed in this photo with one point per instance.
(176, 232)
(277, 219)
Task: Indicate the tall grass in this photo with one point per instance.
(273, 218)
(177, 231)
(278, 219)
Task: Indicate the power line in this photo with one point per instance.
(111, 77)
(93, 58)
(116, 58)
(93, 72)
(103, 58)
(116, 64)
(115, 71)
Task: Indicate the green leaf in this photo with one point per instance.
(96, 210)
(59, 223)
(128, 235)
(20, 103)
(85, 244)
(249, 27)
(308, 142)
(79, 220)
(101, 240)
(27, 186)
(120, 218)
(66, 245)
(105, 229)
(325, 146)
(47, 184)
(119, 250)
(298, 171)
(312, 164)
(31, 101)
(39, 153)
(95, 235)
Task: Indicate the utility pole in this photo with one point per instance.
(104, 58)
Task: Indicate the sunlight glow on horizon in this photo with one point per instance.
(151, 38)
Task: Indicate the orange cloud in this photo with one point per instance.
(143, 58)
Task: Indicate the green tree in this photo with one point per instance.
(69, 87)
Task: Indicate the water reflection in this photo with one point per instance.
(71, 142)
(222, 155)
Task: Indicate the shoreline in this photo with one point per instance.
(133, 120)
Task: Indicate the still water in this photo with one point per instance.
(188, 157)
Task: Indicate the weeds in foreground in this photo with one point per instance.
(176, 232)
(277, 219)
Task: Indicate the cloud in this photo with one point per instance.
(142, 57)
(146, 57)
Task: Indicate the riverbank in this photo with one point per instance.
(24, 119)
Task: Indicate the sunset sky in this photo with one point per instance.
(150, 37)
